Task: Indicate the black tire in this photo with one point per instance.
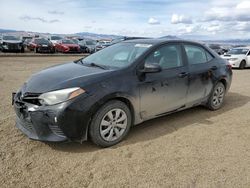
(35, 50)
(242, 64)
(95, 125)
(211, 104)
(53, 51)
(22, 50)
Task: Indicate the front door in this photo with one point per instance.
(164, 91)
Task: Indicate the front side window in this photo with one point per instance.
(195, 54)
(168, 56)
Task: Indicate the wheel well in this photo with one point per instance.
(224, 82)
(127, 102)
(122, 99)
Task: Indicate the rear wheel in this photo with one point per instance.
(242, 64)
(217, 97)
(110, 124)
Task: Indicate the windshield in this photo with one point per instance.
(55, 38)
(10, 38)
(118, 55)
(90, 42)
(238, 51)
(41, 41)
(67, 42)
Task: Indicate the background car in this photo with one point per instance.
(55, 39)
(41, 45)
(87, 45)
(102, 44)
(26, 42)
(67, 46)
(238, 57)
(217, 48)
(9, 43)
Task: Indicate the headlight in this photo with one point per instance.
(55, 97)
(233, 59)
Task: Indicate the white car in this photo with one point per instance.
(238, 57)
(55, 39)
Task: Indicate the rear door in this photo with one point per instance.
(201, 68)
(164, 91)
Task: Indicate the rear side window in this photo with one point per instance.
(197, 55)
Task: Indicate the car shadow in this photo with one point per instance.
(162, 126)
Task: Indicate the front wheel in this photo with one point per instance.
(216, 99)
(110, 124)
(242, 64)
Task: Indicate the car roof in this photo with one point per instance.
(159, 41)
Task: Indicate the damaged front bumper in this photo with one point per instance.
(38, 123)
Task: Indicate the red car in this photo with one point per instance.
(41, 45)
(67, 45)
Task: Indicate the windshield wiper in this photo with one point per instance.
(91, 64)
(97, 65)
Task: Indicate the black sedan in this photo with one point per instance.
(9, 43)
(41, 45)
(102, 96)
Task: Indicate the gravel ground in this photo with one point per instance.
(192, 148)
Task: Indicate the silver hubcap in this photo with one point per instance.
(218, 96)
(113, 124)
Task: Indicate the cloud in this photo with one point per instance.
(177, 19)
(243, 5)
(153, 21)
(212, 28)
(29, 18)
(239, 13)
(55, 12)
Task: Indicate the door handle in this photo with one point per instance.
(214, 68)
(183, 74)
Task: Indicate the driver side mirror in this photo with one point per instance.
(151, 68)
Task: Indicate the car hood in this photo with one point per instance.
(12, 41)
(233, 56)
(63, 76)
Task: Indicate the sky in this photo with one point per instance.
(215, 19)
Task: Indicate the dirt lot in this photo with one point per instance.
(192, 148)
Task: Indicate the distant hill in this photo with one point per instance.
(95, 35)
(7, 31)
